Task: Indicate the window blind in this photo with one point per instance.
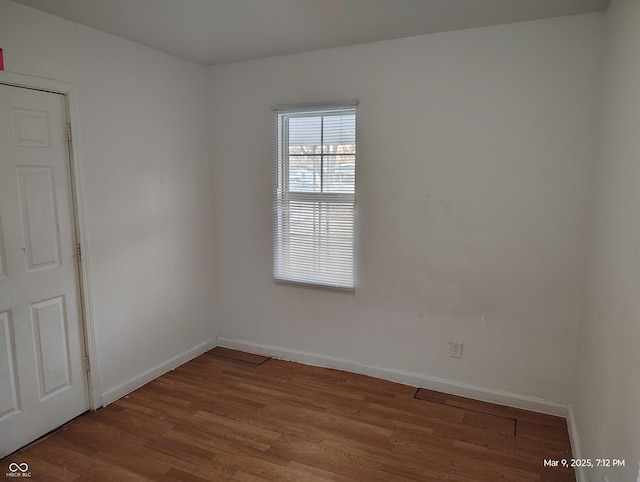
(315, 195)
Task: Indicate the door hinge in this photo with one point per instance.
(69, 132)
(78, 252)
(87, 364)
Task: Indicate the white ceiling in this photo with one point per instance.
(217, 31)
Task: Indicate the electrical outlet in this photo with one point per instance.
(455, 349)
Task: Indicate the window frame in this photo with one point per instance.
(284, 195)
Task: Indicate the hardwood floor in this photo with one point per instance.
(234, 416)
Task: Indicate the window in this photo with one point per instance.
(315, 193)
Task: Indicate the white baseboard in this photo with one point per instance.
(407, 378)
(581, 475)
(136, 382)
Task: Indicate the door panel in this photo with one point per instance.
(30, 128)
(43, 383)
(8, 387)
(38, 208)
(3, 255)
(50, 336)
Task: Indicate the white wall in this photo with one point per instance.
(472, 188)
(606, 401)
(147, 182)
(472, 184)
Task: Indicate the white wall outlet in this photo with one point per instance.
(455, 349)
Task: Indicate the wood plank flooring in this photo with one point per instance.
(232, 416)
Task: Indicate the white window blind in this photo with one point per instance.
(315, 193)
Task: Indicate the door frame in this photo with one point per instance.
(68, 90)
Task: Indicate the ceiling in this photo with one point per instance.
(218, 31)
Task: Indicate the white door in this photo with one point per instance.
(43, 382)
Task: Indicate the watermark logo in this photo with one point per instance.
(18, 470)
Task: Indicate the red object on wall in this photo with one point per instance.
(1, 60)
